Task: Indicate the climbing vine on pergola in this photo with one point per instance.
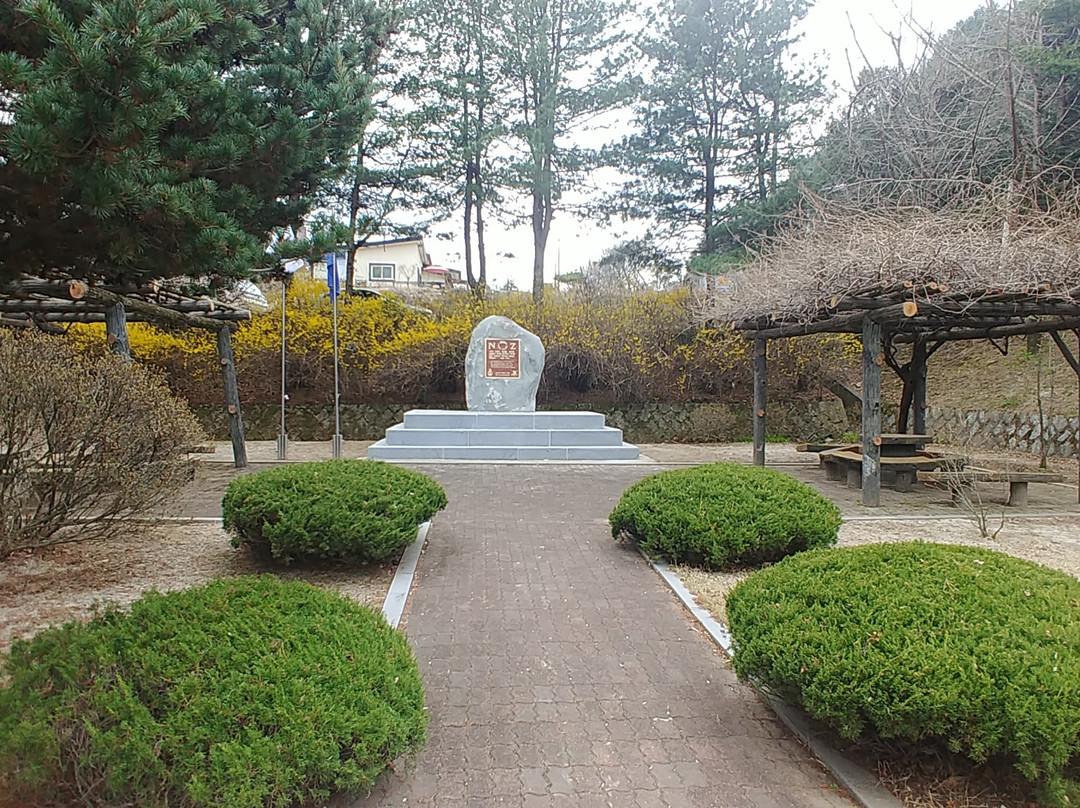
(48, 303)
(908, 276)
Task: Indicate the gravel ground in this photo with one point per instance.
(63, 583)
(1053, 542)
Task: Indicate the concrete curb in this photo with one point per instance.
(862, 786)
(398, 594)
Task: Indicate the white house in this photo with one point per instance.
(400, 262)
(395, 262)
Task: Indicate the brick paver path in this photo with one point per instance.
(560, 671)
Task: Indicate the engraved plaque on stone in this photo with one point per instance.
(502, 358)
(502, 367)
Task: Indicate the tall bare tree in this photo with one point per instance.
(564, 58)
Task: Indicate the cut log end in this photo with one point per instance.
(911, 308)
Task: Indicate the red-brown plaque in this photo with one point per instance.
(502, 358)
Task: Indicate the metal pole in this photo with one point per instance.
(336, 442)
(282, 441)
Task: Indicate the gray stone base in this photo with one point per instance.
(491, 436)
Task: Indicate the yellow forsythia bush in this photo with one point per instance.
(637, 348)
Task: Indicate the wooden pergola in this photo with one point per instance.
(48, 303)
(913, 278)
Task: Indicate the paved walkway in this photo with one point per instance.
(560, 671)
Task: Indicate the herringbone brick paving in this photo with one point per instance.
(560, 671)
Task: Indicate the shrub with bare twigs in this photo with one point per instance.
(837, 253)
(84, 441)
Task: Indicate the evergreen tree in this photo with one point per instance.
(471, 84)
(172, 137)
(565, 60)
(719, 116)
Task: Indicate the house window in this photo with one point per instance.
(381, 272)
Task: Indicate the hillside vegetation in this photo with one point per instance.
(977, 376)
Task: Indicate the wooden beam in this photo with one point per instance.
(843, 322)
(157, 314)
(116, 333)
(996, 332)
(67, 289)
(1070, 357)
(96, 314)
(98, 299)
(58, 306)
(871, 413)
(930, 314)
(232, 397)
(760, 389)
(1066, 352)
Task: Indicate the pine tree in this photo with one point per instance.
(567, 63)
(171, 137)
(718, 114)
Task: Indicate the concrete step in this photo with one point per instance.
(463, 419)
(385, 451)
(405, 435)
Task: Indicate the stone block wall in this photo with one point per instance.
(1019, 431)
(640, 423)
(686, 423)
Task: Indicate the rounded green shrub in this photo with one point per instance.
(724, 514)
(244, 693)
(923, 641)
(360, 510)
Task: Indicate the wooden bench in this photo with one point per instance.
(846, 463)
(818, 447)
(957, 481)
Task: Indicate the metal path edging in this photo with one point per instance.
(398, 594)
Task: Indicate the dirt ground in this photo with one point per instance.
(64, 582)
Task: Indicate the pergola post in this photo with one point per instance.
(871, 413)
(116, 331)
(918, 384)
(760, 378)
(232, 397)
(1074, 363)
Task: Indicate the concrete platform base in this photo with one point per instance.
(495, 436)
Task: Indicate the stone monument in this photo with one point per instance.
(502, 374)
(502, 367)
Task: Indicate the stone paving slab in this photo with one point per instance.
(560, 671)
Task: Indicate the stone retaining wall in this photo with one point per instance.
(684, 423)
(1004, 430)
(640, 423)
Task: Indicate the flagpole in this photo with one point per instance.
(282, 441)
(337, 442)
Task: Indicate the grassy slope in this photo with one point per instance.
(976, 376)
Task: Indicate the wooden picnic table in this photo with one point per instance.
(845, 463)
(893, 444)
(899, 444)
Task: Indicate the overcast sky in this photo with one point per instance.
(829, 32)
